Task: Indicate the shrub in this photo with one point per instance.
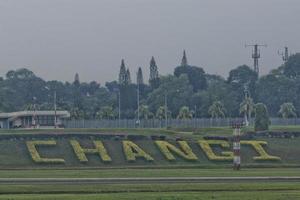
(262, 120)
(206, 147)
(99, 149)
(31, 146)
(133, 151)
(185, 150)
(257, 145)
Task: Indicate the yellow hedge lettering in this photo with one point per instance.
(31, 146)
(81, 152)
(133, 151)
(185, 150)
(258, 146)
(206, 147)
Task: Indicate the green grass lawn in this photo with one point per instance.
(265, 195)
(123, 173)
(257, 191)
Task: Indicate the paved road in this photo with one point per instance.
(68, 181)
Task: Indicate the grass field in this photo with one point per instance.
(126, 173)
(245, 195)
(261, 191)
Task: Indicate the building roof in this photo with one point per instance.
(59, 113)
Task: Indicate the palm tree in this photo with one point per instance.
(145, 112)
(77, 113)
(106, 112)
(247, 108)
(160, 113)
(216, 110)
(287, 110)
(185, 113)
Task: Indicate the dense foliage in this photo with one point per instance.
(189, 92)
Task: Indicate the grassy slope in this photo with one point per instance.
(14, 153)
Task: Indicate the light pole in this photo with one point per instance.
(138, 104)
(247, 96)
(55, 110)
(54, 105)
(34, 123)
(166, 110)
(118, 91)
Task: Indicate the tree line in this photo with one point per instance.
(189, 92)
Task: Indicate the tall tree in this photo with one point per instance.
(154, 80)
(184, 61)
(128, 77)
(196, 75)
(139, 77)
(76, 80)
(122, 73)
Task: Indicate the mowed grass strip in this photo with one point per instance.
(265, 195)
(173, 172)
(147, 190)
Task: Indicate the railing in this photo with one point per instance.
(174, 123)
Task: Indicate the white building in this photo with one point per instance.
(31, 119)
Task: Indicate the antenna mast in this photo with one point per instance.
(285, 54)
(256, 55)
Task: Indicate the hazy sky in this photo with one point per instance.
(57, 38)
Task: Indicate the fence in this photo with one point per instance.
(174, 123)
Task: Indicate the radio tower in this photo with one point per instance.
(285, 55)
(256, 55)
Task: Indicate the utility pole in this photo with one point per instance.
(285, 54)
(256, 55)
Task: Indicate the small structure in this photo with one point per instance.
(33, 119)
(237, 145)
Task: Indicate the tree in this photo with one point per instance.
(291, 68)
(287, 110)
(239, 78)
(196, 75)
(106, 112)
(275, 90)
(247, 108)
(217, 110)
(122, 73)
(154, 76)
(185, 113)
(262, 120)
(139, 77)
(161, 114)
(177, 92)
(76, 113)
(145, 112)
